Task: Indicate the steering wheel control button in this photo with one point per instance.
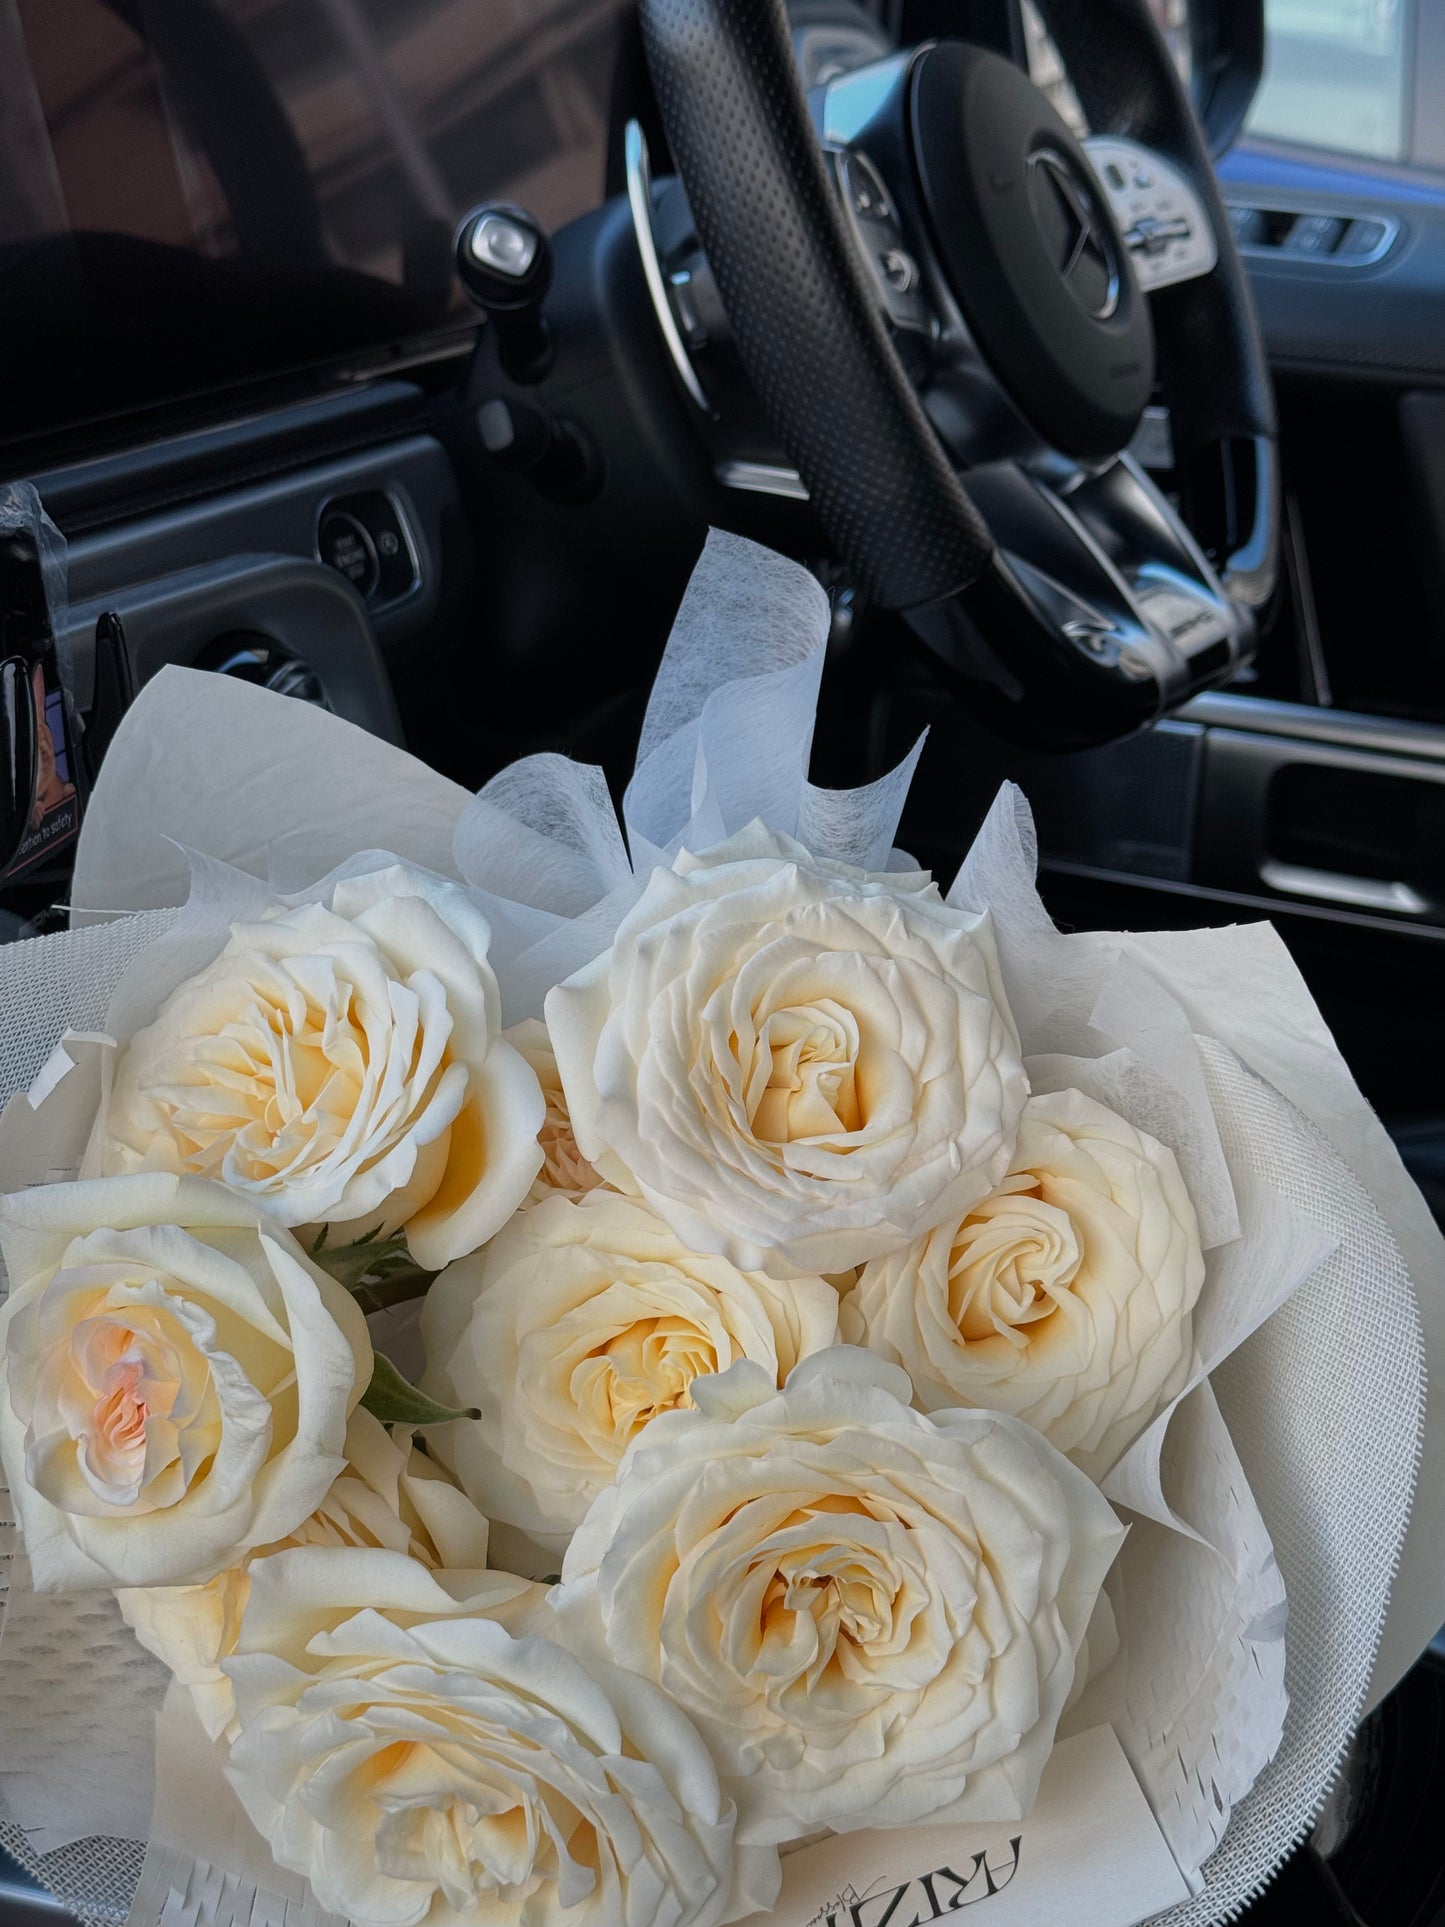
(866, 193)
(364, 538)
(1030, 244)
(1166, 229)
(878, 236)
(1150, 235)
(900, 270)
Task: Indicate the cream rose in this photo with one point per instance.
(870, 1614)
(390, 1496)
(573, 1330)
(1065, 1297)
(341, 1065)
(564, 1168)
(798, 1064)
(427, 1752)
(178, 1379)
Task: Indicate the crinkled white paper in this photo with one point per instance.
(205, 1861)
(278, 788)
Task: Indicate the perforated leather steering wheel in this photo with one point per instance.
(954, 315)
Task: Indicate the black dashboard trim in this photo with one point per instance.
(161, 474)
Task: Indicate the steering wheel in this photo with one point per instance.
(954, 314)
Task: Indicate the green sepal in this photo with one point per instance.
(378, 1272)
(390, 1398)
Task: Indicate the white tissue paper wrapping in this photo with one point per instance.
(1278, 1485)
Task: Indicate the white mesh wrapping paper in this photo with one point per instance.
(1285, 1480)
(1325, 1407)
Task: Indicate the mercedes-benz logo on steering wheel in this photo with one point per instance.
(1075, 230)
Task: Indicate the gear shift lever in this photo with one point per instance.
(504, 260)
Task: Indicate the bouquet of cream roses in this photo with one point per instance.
(544, 1367)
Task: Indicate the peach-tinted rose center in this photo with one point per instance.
(809, 1055)
(1013, 1258)
(123, 1385)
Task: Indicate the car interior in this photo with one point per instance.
(399, 354)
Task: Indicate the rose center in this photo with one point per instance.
(492, 1837)
(824, 1608)
(275, 1087)
(804, 1082)
(118, 1385)
(467, 1852)
(1013, 1262)
(566, 1168)
(642, 1371)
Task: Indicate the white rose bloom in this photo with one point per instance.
(573, 1330)
(342, 1065)
(178, 1379)
(871, 1614)
(390, 1496)
(798, 1064)
(564, 1168)
(1066, 1297)
(428, 1752)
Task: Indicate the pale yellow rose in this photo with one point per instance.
(1066, 1297)
(573, 1330)
(423, 1750)
(178, 1379)
(391, 1495)
(341, 1065)
(564, 1168)
(798, 1064)
(872, 1615)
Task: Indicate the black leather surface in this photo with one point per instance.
(1211, 355)
(805, 318)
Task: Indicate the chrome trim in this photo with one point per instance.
(1256, 900)
(408, 537)
(1337, 728)
(1360, 893)
(17, 1897)
(1081, 202)
(762, 478)
(639, 199)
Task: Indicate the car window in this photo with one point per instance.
(1337, 76)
